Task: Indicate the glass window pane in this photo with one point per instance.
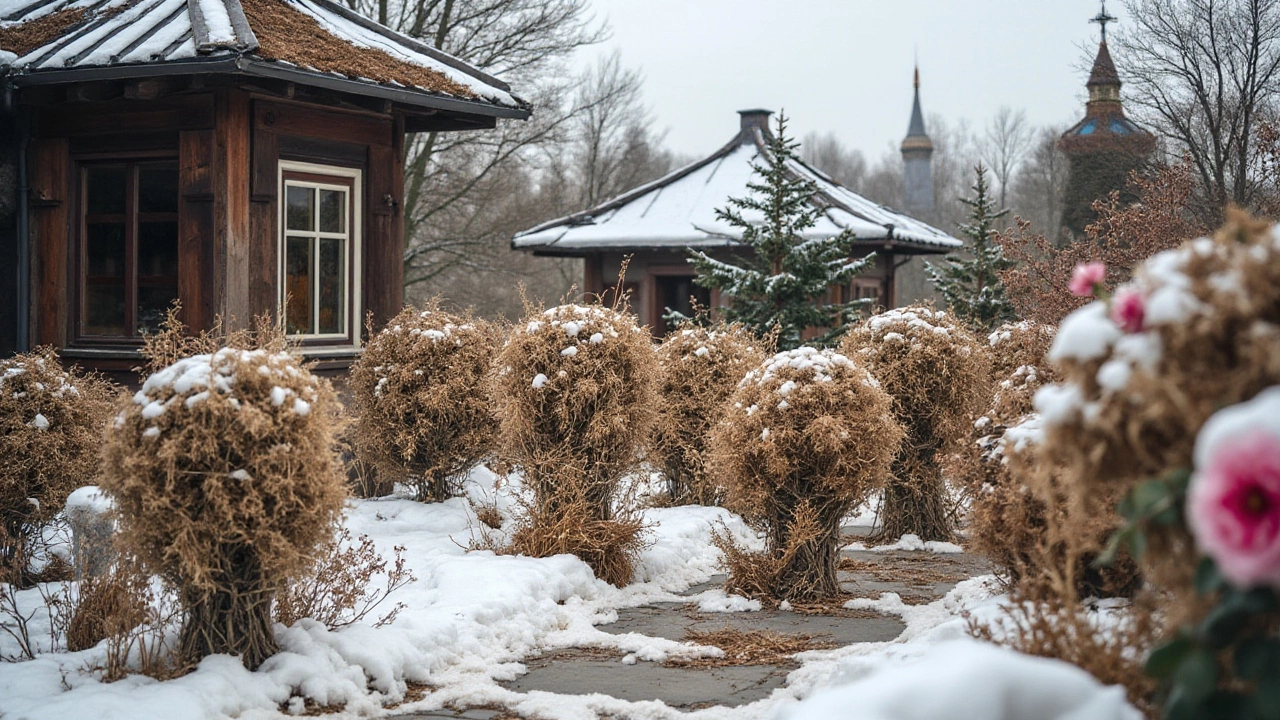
(298, 285)
(158, 188)
(104, 249)
(333, 211)
(106, 190)
(332, 285)
(301, 202)
(158, 249)
(153, 302)
(104, 306)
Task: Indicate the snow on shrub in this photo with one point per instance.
(51, 424)
(1131, 401)
(700, 369)
(807, 436)
(223, 471)
(423, 413)
(575, 390)
(938, 377)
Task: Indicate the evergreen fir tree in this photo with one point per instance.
(971, 286)
(781, 283)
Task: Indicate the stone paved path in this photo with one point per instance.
(919, 577)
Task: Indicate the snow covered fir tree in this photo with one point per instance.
(971, 286)
(780, 285)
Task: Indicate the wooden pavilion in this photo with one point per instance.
(241, 156)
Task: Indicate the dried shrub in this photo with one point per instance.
(175, 341)
(806, 437)
(700, 369)
(226, 484)
(343, 585)
(51, 424)
(1130, 405)
(938, 376)
(575, 390)
(109, 605)
(423, 415)
(1123, 235)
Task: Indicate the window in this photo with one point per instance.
(128, 255)
(320, 252)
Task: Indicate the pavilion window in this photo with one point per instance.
(319, 253)
(128, 249)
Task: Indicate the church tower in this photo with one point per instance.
(1103, 147)
(917, 161)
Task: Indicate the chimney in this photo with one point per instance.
(757, 118)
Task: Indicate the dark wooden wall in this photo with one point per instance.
(228, 141)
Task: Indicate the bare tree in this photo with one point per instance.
(825, 152)
(1004, 144)
(1038, 188)
(613, 144)
(1203, 74)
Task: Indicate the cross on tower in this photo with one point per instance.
(1102, 18)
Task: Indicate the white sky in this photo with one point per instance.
(845, 65)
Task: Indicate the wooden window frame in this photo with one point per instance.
(132, 339)
(351, 180)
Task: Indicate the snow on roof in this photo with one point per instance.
(678, 211)
(43, 39)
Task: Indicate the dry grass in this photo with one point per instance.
(938, 376)
(51, 424)
(285, 33)
(227, 485)
(575, 390)
(701, 367)
(807, 436)
(1044, 625)
(750, 647)
(423, 416)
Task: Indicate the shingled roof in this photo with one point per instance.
(315, 42)
(678, 211)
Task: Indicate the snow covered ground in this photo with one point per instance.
(469, 620)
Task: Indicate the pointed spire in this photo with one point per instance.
(916, 126)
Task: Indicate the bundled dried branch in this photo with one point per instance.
(806, 437)
(938, 376)
(424, 417)
(700, 369)
(226, 484)
(51, 424)
(575, 390)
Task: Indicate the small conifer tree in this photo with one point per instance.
(971, 287)
(781, 284)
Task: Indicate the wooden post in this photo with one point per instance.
(231, 204)
(51, 200)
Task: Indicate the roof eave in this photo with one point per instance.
(239, 64)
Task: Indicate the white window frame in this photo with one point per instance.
(351, 302)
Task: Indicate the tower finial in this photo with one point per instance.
(917, 80)
(1102, 18)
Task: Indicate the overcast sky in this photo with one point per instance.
(845, 65)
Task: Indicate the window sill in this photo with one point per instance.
(102, 353)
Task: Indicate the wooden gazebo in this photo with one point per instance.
(241, 157)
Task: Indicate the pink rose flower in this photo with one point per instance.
(1128, 310)
(1233, 509)
(1087, 277)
